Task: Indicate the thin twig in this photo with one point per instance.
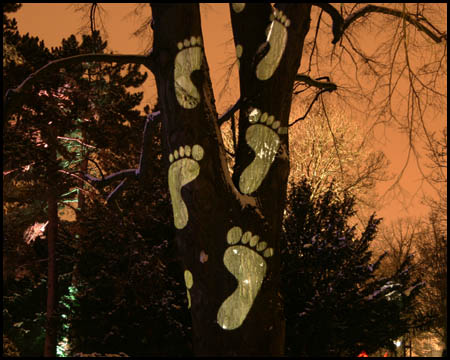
(230, 111)
(76, 140)
(141, 173)
(332, 134)
(340, 25)
(315, 40)
(309, 108)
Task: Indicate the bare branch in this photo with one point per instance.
(400, 14)
(323, 85)
(314, 41)
(102, 182)
(76, 140)
(76, 177)
(340, 25)
(230, 111)
(338, 21)
(309, 108)
(332, 134)
(115, 192)
(328, 85)
(141, 173)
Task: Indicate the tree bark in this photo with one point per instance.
(228, 230)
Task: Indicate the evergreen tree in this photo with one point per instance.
(127, 256)
(335, 305)
(65, 115)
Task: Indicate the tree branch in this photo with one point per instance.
(12, 96)
(309, 108)
(338, 21)
(323, 85)
(230, 112)
(76, 140)
(328, 85)
(408, 17)
(340, 25)
(102, 182)
(141, 173)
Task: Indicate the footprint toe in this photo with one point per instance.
(197, 152)
(184, 168)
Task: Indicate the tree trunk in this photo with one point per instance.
(52, 230)
(228, 230)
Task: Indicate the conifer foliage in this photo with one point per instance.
(335, 305)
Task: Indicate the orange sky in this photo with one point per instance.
(53, 22)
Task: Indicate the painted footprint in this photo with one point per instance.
(238, 7)
(182, 171)
(189, 280)
(277, 37)
(239, 51)
(263, 138)
(249, 268)
(188, 60)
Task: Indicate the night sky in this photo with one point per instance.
(53, 22)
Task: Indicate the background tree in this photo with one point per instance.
(399, 239)
(334, 303)
(45, 162)
(432, 249)
(250, 202)
(426, 240)
(322, 152)
(132, 290)
(9, 51)
(432, 246)
(384, 80)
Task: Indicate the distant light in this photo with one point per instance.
(397, 343)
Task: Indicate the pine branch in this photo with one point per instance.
(12, 97)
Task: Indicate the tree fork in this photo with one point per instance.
(226, 322)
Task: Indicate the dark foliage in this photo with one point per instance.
(334, 303)
(129, 295)
(98, 95)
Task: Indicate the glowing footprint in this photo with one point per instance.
(188, 60)
(249, 268)
(183, 170)
(277, 37)
(264, 141)
(238, 7)
(189, 280)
